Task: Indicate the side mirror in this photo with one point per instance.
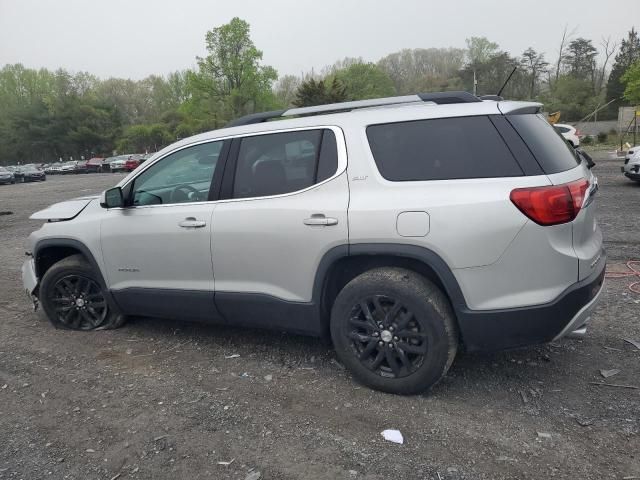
(112, 198)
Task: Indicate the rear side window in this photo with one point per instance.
(441, 149)
(278, 163)
(551, 151)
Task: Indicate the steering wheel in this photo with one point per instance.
(184, 193)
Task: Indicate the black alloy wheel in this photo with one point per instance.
(385, 337)
(79, 303)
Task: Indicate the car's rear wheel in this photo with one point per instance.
(394, 330)
(72, 296)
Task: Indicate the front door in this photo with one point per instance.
(157, 250)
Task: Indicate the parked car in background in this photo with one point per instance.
(117, 165)
(6, 176)
(570, 134)
(94, 165)
(631, 167)
(53, 168)
(73, 166)
(29, 173)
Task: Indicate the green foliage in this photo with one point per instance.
(480, 50)
(602, 137)
(534, 65)
(318, 92)
(588, 140)
(628, 54)
(230, 80)
(571, 96)
(631, 81)
(363, 81)
(424, 69)
(45, 115)
(581, 59)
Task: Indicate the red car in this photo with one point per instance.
(131, 164)
(94, 164)
(134, 161)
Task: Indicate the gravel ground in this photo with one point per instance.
(164, 399)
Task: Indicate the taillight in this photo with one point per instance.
(551, 205)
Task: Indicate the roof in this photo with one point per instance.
(363, 113)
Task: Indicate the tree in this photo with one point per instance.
(316, 92)
(628, 54)
(491, 75)
(561, 51)
(285, 90)
(363, 81)
(424, 69)
(480, 50)
(608, 49)
(631, 81)
(534, 64)
(232, 73)
(580, 60)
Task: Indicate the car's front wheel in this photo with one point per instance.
(394, 330)
(73, 298)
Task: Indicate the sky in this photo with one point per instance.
(136, 38)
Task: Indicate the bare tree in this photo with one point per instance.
(566, 36)
(608, 49)
(535, 65)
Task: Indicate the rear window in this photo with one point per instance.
(552, 152)
(441, 149)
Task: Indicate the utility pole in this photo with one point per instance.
(635, 126)
(475, 83)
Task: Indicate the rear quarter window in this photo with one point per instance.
(441, 149)
(552, 152)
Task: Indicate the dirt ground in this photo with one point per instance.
(166, 399)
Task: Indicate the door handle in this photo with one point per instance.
(191, 222)
(320, 219)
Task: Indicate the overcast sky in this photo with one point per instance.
(135, 38)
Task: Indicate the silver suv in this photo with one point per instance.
(404, 227)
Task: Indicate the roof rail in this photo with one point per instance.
(255, 118)
(444, 98)
(440, 98)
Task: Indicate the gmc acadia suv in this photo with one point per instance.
(405, 227)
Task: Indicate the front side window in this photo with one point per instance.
(183, 176)
(279, 163)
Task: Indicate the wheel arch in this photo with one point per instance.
(51, 250)
(340, 265)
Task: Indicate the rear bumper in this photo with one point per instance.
(492, 330)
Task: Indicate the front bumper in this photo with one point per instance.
(493, 330)
(30, 281)
(29, 278)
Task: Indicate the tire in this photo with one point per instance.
(418, 331)
(67, 287)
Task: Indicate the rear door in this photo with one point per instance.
(286, 197)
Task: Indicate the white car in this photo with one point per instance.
(569, 133)
(631, 168)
